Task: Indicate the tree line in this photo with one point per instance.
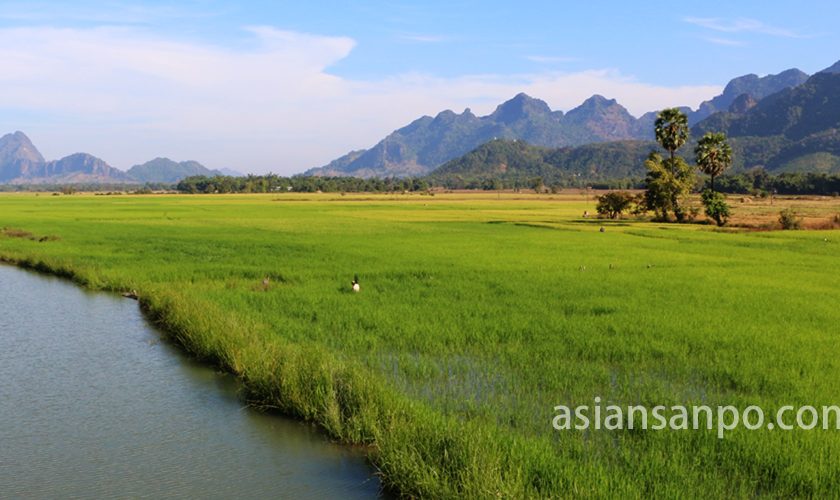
(760, 183)
(757, 182)
(272, 183)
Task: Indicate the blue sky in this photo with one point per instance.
(284, 86)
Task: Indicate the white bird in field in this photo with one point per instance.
(355, 283)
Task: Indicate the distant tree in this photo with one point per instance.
(671, 130)
(614, 203)
(420, 185)
(713, 154)
(640, 206)
(716, 206)
(789, 220)
(659, 184)
(669, 180)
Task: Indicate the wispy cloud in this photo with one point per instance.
(725, 41)
(741, 25)
(126, 95)
(551, 59)
(413, 37)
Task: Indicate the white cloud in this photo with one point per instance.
(725, 41)
(741, 25)
(127, 95)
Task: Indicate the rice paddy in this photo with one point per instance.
(476, 315)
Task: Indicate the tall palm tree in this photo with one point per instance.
(671, 128)
(713, 155)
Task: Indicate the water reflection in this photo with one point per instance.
(92, 403)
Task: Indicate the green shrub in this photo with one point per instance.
(716, 206)
(614, 203)
(789, 220)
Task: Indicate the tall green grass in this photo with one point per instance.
(477, 315)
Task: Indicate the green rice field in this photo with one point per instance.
(477, 315)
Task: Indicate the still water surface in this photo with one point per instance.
(94, 404)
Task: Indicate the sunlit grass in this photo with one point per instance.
(478, 314)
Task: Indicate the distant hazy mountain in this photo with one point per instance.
(230, 172)
(795, 113)
(742, 104)
(797, 129)
(22, 163)
(18, 157)
(428, 142)
(604, 119)
(756, 87)
(81, 168)
(169, 171)
(339, 165)
(834, 68)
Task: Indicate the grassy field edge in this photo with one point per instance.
(417, 451)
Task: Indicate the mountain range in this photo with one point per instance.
(794, 130)
(783, 122)
(22, 163)
(428, 142)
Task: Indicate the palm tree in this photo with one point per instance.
(713, 155)
(671, 128)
